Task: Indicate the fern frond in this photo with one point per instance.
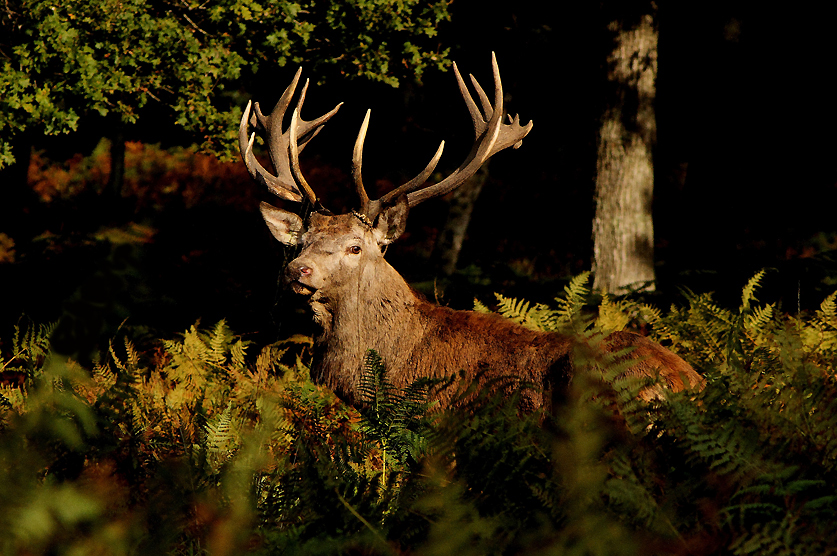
(392, 416)
(132, 356)
(238, 351)
(513, 309)
(172, 347)
(11, 398)
(710, 323)
(103, 375)
(219, 431)
(542, 317)
(827, 313)
(578, 290)
(748, 294)
(219, 342)
(613, 315)
(537, 317)
(30, 346)
(724, 447)
(33, 341)
(568, 308)
(116, 359)
(221, 439)
(480, 307)
(758, 321)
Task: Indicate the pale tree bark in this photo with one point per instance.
(460, 207)
(623, 230)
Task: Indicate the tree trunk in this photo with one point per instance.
(117, 164)
(623, 230)
(460, 207)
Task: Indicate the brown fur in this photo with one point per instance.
(362, 303)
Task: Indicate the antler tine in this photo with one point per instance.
(371, 208)
(491, 136)
(357, 163)
(285, 100)
(489, 119)
(408, 187)
(308, 130)
(277, 142)
(286, 189)
(294, 158)
(487, 109)
(476, 116)
(288, 182)
(420, 179)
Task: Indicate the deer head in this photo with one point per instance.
(337, 250)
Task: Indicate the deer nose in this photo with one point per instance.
(300, 269)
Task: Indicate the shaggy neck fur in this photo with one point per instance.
(379, 313)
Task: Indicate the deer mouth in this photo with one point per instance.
(302, 289)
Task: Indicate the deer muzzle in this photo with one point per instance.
(300, 276)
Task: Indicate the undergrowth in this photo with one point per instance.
(205, 443)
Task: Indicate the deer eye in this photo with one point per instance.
(354, 249)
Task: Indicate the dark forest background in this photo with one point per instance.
(745, 177)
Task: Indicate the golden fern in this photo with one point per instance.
(615, 314)
(823, 328)
(759, 320)
(748, 293)
(568, 308)
(566, 315)
(480, 307)
(827, 313)
(516, 310)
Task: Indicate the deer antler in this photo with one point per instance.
(284, 146)
(490, 137)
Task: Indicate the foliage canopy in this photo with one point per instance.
(64, 62)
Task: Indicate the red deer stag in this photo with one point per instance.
(361, 302)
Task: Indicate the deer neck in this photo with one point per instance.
(377, 312)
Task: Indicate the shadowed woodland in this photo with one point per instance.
(156, 396)
(743, 176)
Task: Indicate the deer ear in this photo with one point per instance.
(391, 222)
(285, 226)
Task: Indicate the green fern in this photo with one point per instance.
(221, 437)
(393, 416)
(30, 346)
(192, 440)
(787, 536)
